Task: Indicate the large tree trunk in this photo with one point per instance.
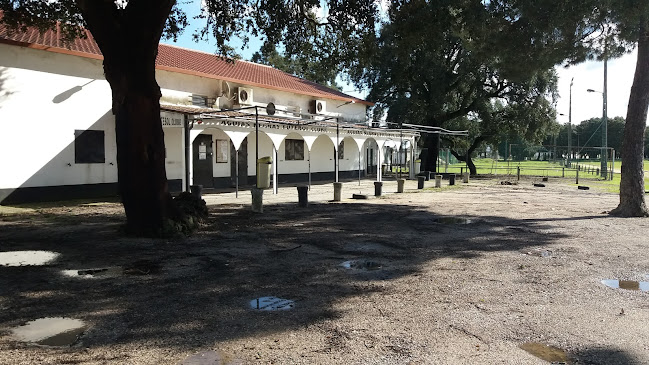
(468, 157)
(432, 143)
(632, 201)
(128, 39)
(140, 152)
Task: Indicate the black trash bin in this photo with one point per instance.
(378, 188)
(420, 182)
(451, 179)
(302, 194)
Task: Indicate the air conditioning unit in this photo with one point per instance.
(244, 96)
(318, 107)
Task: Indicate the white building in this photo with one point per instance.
(57, 138)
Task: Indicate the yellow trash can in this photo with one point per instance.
(263, 179)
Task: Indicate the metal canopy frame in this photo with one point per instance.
(237, 113)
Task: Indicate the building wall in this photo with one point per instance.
(46, 96)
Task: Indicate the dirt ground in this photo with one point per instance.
(526, 267)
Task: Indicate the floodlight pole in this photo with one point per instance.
(605, 124)
(570, 123)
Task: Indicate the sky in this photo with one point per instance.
(588, 75)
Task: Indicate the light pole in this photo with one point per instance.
(570, 123)
(604, 155)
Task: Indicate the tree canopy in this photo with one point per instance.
(425, 67)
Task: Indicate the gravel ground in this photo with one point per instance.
(458, 275)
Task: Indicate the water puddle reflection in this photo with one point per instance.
(361, 265)
(94, 273)
(547, 353)
(627, 284)
(54, 331)
(27, 258)
(272, 304)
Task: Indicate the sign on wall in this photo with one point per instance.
(171, 119)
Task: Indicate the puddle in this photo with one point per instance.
(57, 331)
(453, 220)
(211, 358)
(361, 265)
(272, 304)
(94, 273)
(547, 353)
(27, 258)
(627, 284)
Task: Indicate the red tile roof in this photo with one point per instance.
(176, 59)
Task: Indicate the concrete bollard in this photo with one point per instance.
(338, 190)
(465, 178)
(257, 200)
(302, 196)
(400, 184)
(378, 187)
(451, 179)
(420, 182)
(438, 181)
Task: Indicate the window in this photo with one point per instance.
(89, 146)
(294, 149)
(199, 100)
(222, 147)
(341, 150)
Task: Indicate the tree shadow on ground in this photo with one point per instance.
(606, 356)
(202, 291)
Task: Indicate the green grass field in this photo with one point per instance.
(546, 168)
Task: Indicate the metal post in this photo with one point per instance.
(570, 123)
(359, 167)
(236, 173)
(604, 161)
(309, 152)
(187, 152)
(275, 175)
(400, 146)
(256, 146)
(518, 173)
(612, 163)
(336, 148)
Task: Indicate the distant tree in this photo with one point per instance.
(588, 29)
(308, 64)
(591, 134)
(425, 67)
(128, 32)
(526, 113)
